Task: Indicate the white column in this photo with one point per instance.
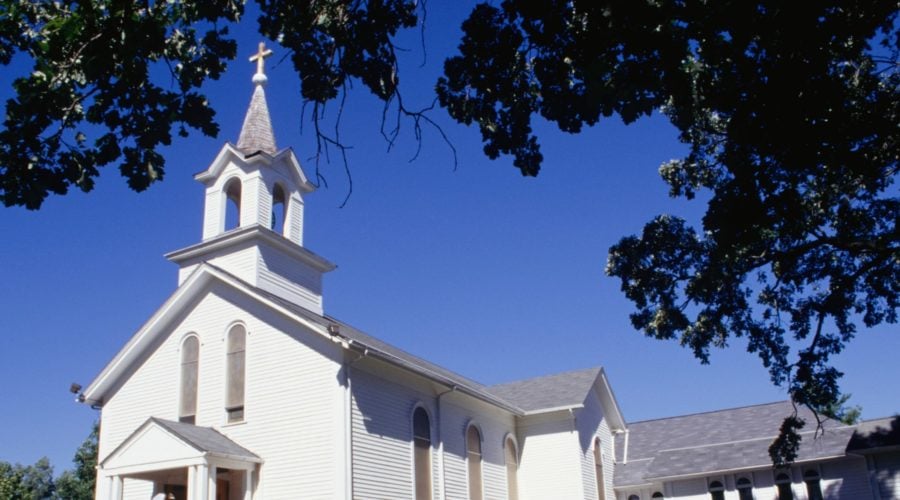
(202, 482)
(211, 495)
(248, 484)
(192, 483)
(116, 488)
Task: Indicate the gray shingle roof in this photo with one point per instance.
(873, 435)
(552, 391)
(256, 133)
(720, 440)
(206, 439)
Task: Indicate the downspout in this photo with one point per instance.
(440, 435)
(625, 449)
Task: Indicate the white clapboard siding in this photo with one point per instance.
(456, 415)
(382, 436)
(690, 489)
(887, 474)
(551, 467)
(590, 424)
(293, 398)
(846, 479)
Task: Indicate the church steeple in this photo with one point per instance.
(257, 134)
(253, 218)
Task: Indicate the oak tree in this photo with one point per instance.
(789, 111)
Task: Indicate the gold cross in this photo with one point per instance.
(260, 57)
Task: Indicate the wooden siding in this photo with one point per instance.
(887, 474)
(846, 479)
(382, 436)
(590, 424)
(293, 404)
(551, 467)
(456, 415)
(288, 278)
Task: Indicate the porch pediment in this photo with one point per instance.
(162, 444)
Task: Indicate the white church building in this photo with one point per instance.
(240, 387)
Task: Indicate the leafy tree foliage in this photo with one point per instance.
(78, 484)
(791, 117)
(32, 482)
(789, 109)
(35, 482)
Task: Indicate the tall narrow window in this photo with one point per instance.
(279, 210)
(190, 361)
(473, 455)
(422, 453)
(598, 469)
(658, 494)
(512, 469)
(634, 497)
(783, 482)
(716, 490)
(745, 488)
(235, 362)
(813, 484)
(233, 204)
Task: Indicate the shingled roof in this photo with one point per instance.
(257, 134)
(737, 438)
(205, 439)
(561, 390)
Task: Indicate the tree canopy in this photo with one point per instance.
(35, 482)
(789, 110)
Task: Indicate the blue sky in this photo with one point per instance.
(490, 274)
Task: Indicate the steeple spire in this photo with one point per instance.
(257, 134)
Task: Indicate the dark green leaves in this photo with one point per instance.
(92, 98)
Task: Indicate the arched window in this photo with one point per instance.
(783, 482)
(512, 469)
(422, 453)
(658, 494)
(190, 362)
(235, 363)
(473, 457)
(233, 204)
(813, 484)
(745, 488)
(598, 470)
(279, 210)
(716, 490)
(634, 497)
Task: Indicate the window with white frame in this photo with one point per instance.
(422, 453)
(783, 485)
(598, 469)
(235, 362)
(190, 364)
(813, 484)
(745, 488)
(473, 459)
(716, 490)
(512, 469)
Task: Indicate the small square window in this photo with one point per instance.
(235, 414)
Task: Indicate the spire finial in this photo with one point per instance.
(261, 54)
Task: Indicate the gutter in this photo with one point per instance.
(394, 360)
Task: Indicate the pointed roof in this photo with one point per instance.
(257, 134)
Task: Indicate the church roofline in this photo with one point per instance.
(108, 380)
(228, 149)
(246, 233)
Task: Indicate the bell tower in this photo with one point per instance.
(253, 214)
